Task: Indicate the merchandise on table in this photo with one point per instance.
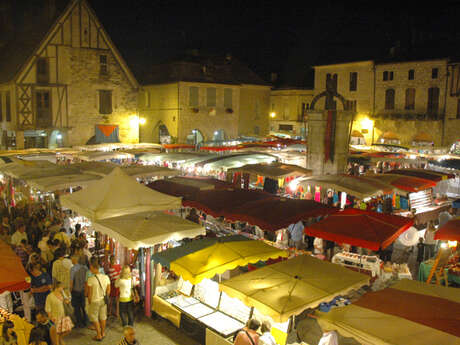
(363, 262)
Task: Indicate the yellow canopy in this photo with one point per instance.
(223, 256)
(372, 327)
(289, 287)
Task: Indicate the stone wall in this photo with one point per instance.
(254, 110)
(317, 122)
(79, 69)
(365, 84)
(159, 106)
(208, 119)
(421, 83)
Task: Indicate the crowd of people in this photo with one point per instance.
(69, 287)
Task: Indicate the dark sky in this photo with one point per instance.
(281, 38)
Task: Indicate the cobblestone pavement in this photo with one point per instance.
(148, 332)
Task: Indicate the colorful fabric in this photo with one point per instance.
(107, 134)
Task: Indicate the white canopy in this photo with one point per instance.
(54, 183)
(102, 156)
(105, 168)
(238, 161)
(115, 195)
(148, 228)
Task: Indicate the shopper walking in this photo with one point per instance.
(98, 286)
(126, 286)
(77, 288)
(248, 335)
(61, 269)
(114, 273)
(40, 285)
(54, 306)
(266, 338)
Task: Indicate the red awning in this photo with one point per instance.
(175, 189)
(216, 202)
(432, 311)
(431, 175)
(449, 231)
(12, 273)
(365, 229)
(405, 183)
(276, 213)
(185, 190)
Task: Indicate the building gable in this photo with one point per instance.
(77, 27)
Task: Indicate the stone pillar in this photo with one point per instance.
(19, 140)
(317, 122)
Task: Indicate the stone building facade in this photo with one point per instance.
(288, 107)
(200, 99)
(72, 80)
(407, 103)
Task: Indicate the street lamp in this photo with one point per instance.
(272, 114)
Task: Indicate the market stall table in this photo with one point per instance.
(425, 268)
(408, 312)
(287, 288)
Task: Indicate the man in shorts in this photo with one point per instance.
(98, 290)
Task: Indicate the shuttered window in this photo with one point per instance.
(105, 101)
(211, 96)
(410, 99)
(353, 81)
(193, 96)
(389, 99)
(228, 98)
(433, 100)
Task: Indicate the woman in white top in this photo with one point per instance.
(54, 306)
(266, 338)
(126, 304)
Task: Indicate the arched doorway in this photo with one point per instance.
(218, 135)
(195, 137)
(163, 134)
(56, 139)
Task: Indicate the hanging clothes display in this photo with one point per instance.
(317, 194)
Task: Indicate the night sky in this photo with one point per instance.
(286, 40)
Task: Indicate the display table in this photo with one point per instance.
(166, 310)
(424, 272)
(21, 327)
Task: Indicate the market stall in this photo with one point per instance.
(275, 213)
(201, 304)
(115, 195)
(55, 183)
(352, 185)
(406, 313)
(360, 228)
(263, 175)
(97, 156)
(214, 202)
(147, 229)
(13, 277)
(285, 289)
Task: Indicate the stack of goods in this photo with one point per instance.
(4, 315)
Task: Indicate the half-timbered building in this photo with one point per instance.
(62, 80)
